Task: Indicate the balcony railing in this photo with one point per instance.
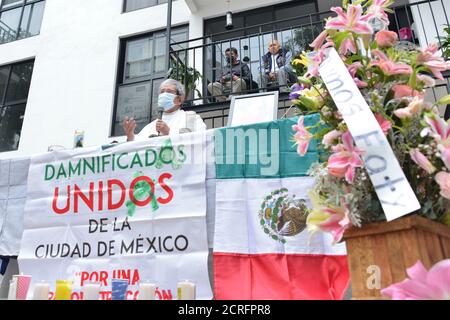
(6, 33)
(417, 24)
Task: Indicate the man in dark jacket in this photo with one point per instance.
(234, 78)
(276, 66)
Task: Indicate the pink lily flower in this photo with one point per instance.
(352, 21)
(385, 125)
(317, 43)
(334, 219)
(360, 84)
(391, 68)
(327, 44)
(345, 159)
(413, 108)
(380, 55)
(403, 90)
(428, 81)
(388, 66)
(337, 223)
(422, 161)
(347, 45)
(386, 39)
(434, 63)
(422, 284)
(354, 67)
(445, 155)
(443, 179)
(440, 129)
(315, 58)
(431, 49)
(330, 137)
(378, 10)
(302, 137)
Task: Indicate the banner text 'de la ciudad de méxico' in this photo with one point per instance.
(134, 211)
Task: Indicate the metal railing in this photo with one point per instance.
(7, 34)
(417, 24)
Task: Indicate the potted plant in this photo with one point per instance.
(445, 43)
(188, 76)
(392, 80)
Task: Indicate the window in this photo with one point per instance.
(131, 5)
(14, 85)
(20, 19)
(141, 70)
(254, 29)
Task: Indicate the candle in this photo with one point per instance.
(147, 291)
(41, 291)
(91, 291)
(12, 289)
(23, 284)
(186, 290)
(63, 290)
(119, 289)
(191, 120)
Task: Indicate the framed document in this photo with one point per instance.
(253, 108)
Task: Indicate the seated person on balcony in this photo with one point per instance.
(234, 78)
(276, 67)
(171, 97)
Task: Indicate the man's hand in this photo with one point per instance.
(162, 128)
(128, 126)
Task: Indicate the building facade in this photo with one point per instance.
(68, 65)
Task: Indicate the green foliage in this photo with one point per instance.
(445, 43)
(188, 76)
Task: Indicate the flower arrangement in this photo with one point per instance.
(393, 81)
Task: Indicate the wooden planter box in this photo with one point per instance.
(393, 247)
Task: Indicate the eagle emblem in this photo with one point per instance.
(282, 215)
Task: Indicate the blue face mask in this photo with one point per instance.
(165, 100)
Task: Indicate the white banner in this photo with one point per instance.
(13, 193)
(393, 189)
(135, 211)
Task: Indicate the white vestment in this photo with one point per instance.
(175, 120)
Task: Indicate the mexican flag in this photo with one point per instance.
(262, 249)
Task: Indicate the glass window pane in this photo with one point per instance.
(155, 94)
(138, 58)
(11, 119)
(10, 3)
(19, 83)
(160, 54)
(258, 17)
(139, 4)
(4, 72)
(133, 101)
(23, 31)
(9, 23)
(31, 26)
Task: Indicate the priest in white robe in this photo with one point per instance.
(171, 97)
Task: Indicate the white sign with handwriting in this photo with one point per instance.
(393, 189)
